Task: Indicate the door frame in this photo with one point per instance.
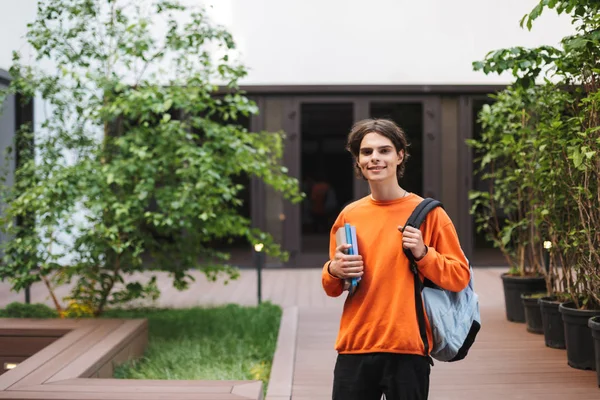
(292, 229)
(292, 224)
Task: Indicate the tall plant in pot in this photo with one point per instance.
(575, 141)
(506, 211)
(558, 213)
(583, 176)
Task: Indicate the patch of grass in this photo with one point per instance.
(222, 343)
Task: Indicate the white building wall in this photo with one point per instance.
(14, 17)
(353, 41)
(379, 41)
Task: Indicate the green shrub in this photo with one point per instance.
(21, 310)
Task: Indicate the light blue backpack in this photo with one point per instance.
(453, 316)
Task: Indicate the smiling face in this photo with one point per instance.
(378, 158)
(380, 129)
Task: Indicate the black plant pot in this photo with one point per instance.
(514, 287)
(594, 325)
(554, 329)
(578, 336)
(533, 314)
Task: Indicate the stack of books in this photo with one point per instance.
(347, 235)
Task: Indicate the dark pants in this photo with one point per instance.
(368, 376)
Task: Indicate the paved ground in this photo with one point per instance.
(506, 362)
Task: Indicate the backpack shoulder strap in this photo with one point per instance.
(419, 214)
(415, 220)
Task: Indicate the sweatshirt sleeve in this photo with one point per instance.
(332, 285)
(445, 263)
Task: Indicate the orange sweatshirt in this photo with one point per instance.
(381, 315)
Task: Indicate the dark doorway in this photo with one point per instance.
(478, 183)
(409, 116)
(326, 169)
(484, 252)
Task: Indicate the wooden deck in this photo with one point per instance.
(59, 359)
(506, 362)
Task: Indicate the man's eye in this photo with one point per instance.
(385, 151)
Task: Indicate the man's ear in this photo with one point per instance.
(400, 157)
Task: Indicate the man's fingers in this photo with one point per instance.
(355, 266)
(414, 233)
(352, 270)
(343, 247)
(345, 260)
(351, 274)
(409, 231)
(348, 264)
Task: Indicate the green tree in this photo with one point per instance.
(138, 154)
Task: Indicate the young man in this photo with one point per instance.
(379, 346)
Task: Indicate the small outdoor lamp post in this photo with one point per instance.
(547, 247)
(258, 262)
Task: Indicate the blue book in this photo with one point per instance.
(354, 240)
(348, 228)
(351, 239)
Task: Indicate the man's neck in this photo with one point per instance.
(384, 191)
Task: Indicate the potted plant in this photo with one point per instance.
(574, 141)
(571, 298)
(506, 211)
(556, 283)
(557, 211)
(552, 206)
(533, 313)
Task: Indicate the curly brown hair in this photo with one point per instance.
(384, 127)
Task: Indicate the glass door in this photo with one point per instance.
(315, 153)
(325, 168)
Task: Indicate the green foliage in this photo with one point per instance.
(22, 310)
(559, 147)
(138, 156)
(508, 154)
(229, 342)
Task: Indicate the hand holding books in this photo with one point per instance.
(347, 235)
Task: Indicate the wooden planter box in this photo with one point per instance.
(74, 359)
